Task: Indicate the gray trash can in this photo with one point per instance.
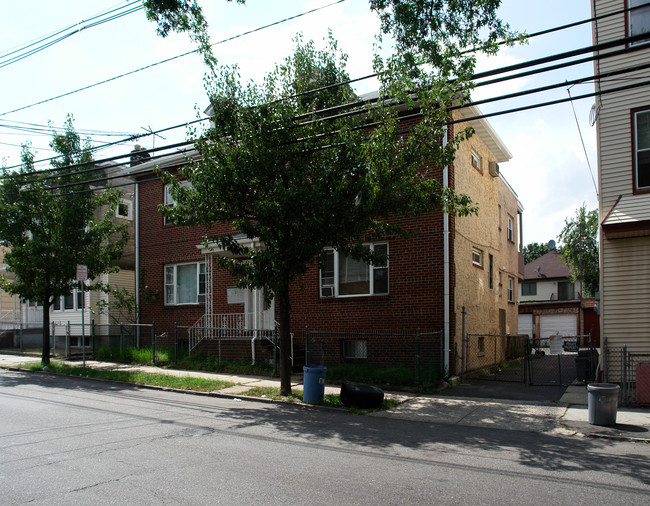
(602, 401)
(313, 383)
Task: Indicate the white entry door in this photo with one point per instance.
(257, 317)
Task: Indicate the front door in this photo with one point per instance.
(257, 317)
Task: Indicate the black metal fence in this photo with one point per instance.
(626, 369)
(420, 351)
(555, 361)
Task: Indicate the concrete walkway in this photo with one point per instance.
(568, 416)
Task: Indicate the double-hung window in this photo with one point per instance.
(343, 276)
(511, 229)
(169, 200)
(511, 289)
(477, 257)
(185, 284)
(638, 19)
(641, 134)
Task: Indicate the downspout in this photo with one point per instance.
(255, 296)
(445, 234)
(137, 262)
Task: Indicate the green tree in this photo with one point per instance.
(579, 239)
(51, 222)
(276, 170)
(534, 250)
(295, 162)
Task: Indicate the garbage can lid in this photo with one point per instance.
(602, 386)
(314, 368)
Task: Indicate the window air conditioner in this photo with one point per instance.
(327, 291)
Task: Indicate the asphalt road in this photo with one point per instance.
(76, 441)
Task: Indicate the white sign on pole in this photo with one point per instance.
(82, 272)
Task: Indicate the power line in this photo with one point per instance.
(493, 72)
(490, 73)
(477, 76)
(366, 126)
(44, 43)
(584, 148)
(170, 59)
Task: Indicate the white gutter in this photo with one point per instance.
(445, 235)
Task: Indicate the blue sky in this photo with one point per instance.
(548, 171)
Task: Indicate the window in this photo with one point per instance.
(341, 276)
(73, 300)
(529, 288)
(355, 349)
(477, 257)
(490, 271)
(481, 345)
(499, 217)
(476, 161)
(511, 229)
(124, 210)
(169, 200)
(511, 289)
(185, 284)
(641, 127)
(565, 290)
(500, 284)
(638, 19)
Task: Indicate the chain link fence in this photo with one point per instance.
(631, 371)
(417, 354)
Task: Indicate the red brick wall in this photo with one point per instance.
(415, 282)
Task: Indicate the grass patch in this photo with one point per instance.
(384, 376)
(166, 356)
(137, 378)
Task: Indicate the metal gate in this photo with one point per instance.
(495, 357)
(554, 361)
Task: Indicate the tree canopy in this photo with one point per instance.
(533, 251)
(292, 164)
(52, 221)
(302, 164)
(580, 249)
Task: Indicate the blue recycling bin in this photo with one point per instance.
(313, 383)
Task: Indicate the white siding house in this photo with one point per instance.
(623, 129)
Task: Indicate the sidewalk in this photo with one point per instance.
(568, 416)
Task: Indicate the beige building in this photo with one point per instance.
(487, 247)
(623, 128)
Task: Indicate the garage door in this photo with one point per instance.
(564, 324)
(526, 324)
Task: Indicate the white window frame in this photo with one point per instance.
(637, 150)
(639, 18)
(476, 161)
(511, 229)
(169, 201)
(511, 289)
(477, 257)
(173, 286)
(330, 287)
(129, 204)
(76, 294)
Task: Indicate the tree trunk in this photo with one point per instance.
(285, 341)
(45, 357)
